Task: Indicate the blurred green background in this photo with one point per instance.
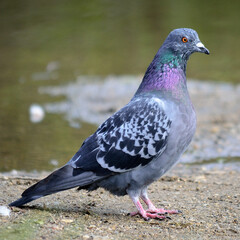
(93, 38)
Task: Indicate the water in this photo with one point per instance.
(221, 163)
(46, 43)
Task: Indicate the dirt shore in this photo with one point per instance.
(209, 201)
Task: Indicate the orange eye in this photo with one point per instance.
(184, 39)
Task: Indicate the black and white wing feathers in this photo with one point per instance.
(133, 136)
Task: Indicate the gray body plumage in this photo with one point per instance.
(180, 135)
(141, 141)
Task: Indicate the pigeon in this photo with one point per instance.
(140, 142)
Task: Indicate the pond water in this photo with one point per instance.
(52, 43)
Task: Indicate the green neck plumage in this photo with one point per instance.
(172, 59)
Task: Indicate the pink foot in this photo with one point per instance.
(147, 216)
(153, 209)
(163, 211)
(152, 212)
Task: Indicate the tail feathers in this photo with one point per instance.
(23, 200)
(62, 179)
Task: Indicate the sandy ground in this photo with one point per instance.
(209, 201)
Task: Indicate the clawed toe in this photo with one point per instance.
(152, 212)
(163, 211)
(155, 216)
(133, 214)
(147, 215)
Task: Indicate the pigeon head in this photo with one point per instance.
(183, 42)
(167, 71)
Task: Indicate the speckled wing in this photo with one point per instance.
(133, 136)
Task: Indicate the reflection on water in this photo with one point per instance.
(57, 41)
(230, 163)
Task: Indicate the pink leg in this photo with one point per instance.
(146, 215)
(152, 208)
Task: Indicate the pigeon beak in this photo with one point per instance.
(201, 48)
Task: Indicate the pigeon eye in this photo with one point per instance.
(184, 39)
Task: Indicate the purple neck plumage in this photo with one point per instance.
(166, 73)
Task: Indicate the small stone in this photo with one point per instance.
(215, 129)
(4, 211)
(65, 220)
(86, 237)
(91, 226)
